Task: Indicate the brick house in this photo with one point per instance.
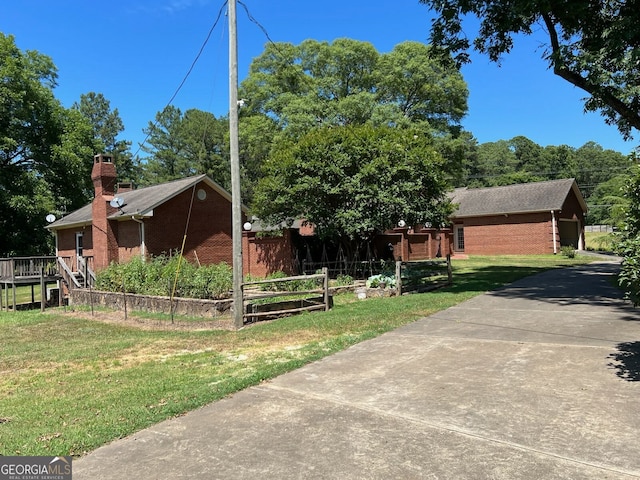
(530, 218)
(121, 223)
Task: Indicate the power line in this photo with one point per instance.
(184, 80)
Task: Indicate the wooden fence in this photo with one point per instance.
(422, 276)
(358, 269)
(257, 296)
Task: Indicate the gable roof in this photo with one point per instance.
(140, 202)
(511, 199)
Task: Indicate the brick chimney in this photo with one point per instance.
(103, 175)
(104, 232)
(124, 187)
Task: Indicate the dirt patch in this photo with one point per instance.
(133, 321)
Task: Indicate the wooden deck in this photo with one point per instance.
(27, 271)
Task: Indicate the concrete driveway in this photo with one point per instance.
(539, 380)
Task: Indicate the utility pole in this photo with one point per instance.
(236, 201)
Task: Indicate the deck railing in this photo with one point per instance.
(85, 270)
(17, 268)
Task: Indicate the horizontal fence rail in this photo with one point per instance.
(598, 228)
(358, 269)
(422, 276)
(255, 307)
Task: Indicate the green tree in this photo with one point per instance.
(493, 160)
(206, 144)
(348, 82)
(256, 136)
(607, 203)
(168, 149)
(563, 162)
(43, 150)
(29, 114)
(597, 165)
(68, 175)
(593, 45)
(421, 89)
(106, 126)
(106, 123)
(181, 145)
(294, 89)
(629, 241)
(351, 182)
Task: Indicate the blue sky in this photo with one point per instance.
(137, 52)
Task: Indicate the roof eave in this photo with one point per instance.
(200, 178)
(64, 226)
(498, 214)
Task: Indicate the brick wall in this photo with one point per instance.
(129, 240)
(266, 255)
(417, 245)
(209, 232)
(508, 235)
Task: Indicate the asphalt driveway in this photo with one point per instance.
(539, 380)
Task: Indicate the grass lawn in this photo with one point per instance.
(69, 385)
(601, 241)
(24, 294)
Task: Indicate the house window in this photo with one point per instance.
(460, 239)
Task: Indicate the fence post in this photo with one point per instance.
(398, 278)
(325, 286)
(449, 270)
(124, 299)
(43, 293)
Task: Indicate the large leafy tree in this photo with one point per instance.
(333, 89)
(354, 181)
(348, 82)
(30, 120)
(592, 44)
(44, 151)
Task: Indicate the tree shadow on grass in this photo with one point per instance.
(627, 361)
(490, 278)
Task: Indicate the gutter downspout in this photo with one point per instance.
(553, 227)
(143, 247)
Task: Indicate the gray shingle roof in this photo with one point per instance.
(140, 202)
(511, 199)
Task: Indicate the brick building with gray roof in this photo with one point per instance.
(530, 218)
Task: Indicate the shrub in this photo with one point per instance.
(629, 240)
(343, 280)
(211, 281)
(377, 281)
(157, 276)
(568, 251)
(289, 286)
